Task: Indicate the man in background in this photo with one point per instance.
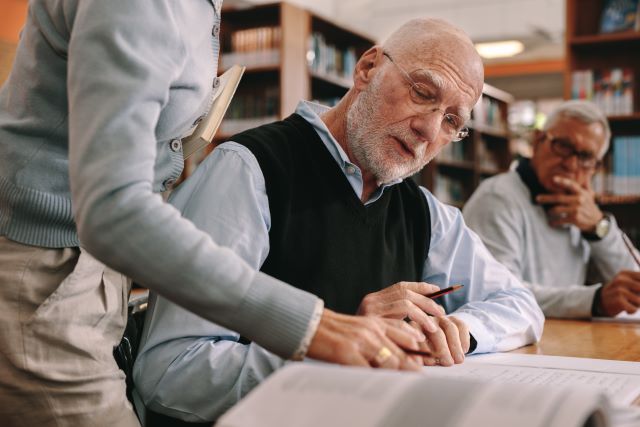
(542, 221)
(320, 200)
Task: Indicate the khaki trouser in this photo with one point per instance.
(61, 314)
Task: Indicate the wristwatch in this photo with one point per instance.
(601, 230)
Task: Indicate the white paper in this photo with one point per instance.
(620, 381)
(623, 317)
(319, 395)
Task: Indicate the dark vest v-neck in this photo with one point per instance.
(323, 239)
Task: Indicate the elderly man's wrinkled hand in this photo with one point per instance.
(577, 206)
(448, 344)
(404, 300)
(621, 294)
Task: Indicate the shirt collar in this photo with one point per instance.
(528, 176)
(311, 111)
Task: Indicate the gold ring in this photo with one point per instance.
(383, 355)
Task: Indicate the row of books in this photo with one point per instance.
(611, 90)
(487, 113)
(620, 15)
(623, 175)
(260, 47)
(251, 108)
(254, 47)
(325, 58)
(454, 152)
(255, 104)
(255, 39)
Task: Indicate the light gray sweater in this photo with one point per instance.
(552, 262)
(98, 91)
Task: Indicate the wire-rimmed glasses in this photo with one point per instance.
(453, 126)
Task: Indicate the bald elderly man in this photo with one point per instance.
(320, 200)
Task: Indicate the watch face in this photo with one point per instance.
(602, 228)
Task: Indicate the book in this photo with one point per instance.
(539, 391)
(205, 131)
(618, 15)
(610, 89)
(618, 380)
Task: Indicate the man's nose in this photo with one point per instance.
(571, 162)
(427, 126)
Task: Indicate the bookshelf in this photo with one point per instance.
(290, 54)
(587, 48)
(312, 55)
(460, 167)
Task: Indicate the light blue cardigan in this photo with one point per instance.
(98, 91)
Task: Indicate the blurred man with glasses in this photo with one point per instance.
(543, 223)
(320, 199)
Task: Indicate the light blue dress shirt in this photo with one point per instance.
(194, 369)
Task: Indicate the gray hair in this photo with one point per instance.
(584, 111)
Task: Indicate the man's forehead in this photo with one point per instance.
(581, 134)
(573, 127)
(424, 75)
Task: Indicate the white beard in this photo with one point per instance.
(367, 140)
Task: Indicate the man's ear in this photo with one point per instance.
(366, 67)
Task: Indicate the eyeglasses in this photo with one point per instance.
(425, 101)
(563, 147)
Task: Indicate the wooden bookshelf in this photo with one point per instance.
(587, 48)
(276, 43)
(296, 27)
(625, 38)
(458, 170)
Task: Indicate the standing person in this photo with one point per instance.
(320, 200)
(90, 123)
(542, 221)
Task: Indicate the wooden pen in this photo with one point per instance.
(416, 352)
(444, 291)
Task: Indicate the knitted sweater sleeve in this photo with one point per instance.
(122, 59)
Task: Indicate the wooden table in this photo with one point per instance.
(584, 338)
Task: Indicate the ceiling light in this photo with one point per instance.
(500, 49)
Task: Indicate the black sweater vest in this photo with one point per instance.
(322, 238)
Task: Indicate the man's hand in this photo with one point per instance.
(577, 206)
(361, 341)
(404, 300)
(621, 294)
(448, 344)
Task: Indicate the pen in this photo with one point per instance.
(417, 352)
(444, 291)
(627, 242)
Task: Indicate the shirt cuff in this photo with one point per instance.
(473, 344)
(595, 305)
(301, 351)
